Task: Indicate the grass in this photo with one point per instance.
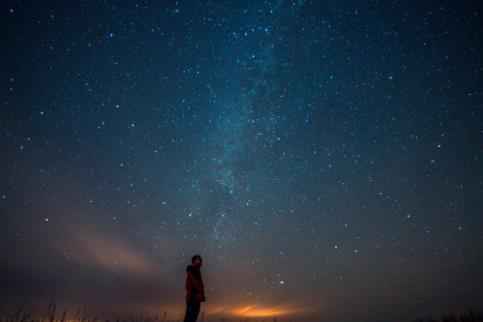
(465, 317)
(23, 314)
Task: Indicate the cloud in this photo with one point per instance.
(90, 268)
(109, 253)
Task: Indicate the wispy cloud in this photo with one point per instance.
(109, 253)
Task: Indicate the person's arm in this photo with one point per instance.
(189, 286)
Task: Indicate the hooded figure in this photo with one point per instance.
(195, 291)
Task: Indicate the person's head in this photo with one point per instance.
(196, 260)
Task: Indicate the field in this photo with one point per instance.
(23, 314)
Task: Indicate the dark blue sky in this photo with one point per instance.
(324, 157)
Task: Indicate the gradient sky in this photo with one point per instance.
(323, 157)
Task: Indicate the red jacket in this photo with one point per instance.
(194, 285)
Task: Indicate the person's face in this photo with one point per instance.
(198, 261)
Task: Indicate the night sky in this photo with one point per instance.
(323, 157)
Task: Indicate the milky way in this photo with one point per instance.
(324, 158)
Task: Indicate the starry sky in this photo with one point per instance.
(323, 157)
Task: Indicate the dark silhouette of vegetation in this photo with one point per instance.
(465, 317)
(23, 314)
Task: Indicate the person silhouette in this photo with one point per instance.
(195, 292)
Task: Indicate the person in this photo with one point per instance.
(195, 292)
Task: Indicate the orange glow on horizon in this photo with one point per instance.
(253, 311)
(260, 311)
